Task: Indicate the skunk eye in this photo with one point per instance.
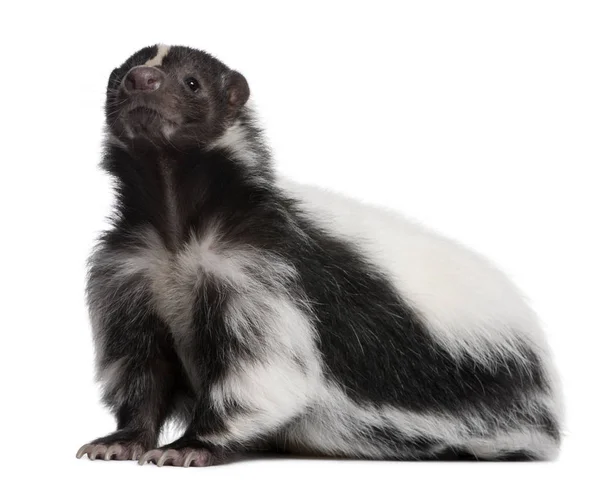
(192, 83)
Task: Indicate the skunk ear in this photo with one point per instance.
(238, 91)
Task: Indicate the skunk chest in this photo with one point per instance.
(202, 273)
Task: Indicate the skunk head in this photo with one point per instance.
(173, 96)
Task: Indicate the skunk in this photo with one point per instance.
(269, 316)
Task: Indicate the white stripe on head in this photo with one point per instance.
(162, 51)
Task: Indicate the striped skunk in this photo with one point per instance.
(269, 316)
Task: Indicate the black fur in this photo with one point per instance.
(373, 344)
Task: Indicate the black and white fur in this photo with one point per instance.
(265, 315)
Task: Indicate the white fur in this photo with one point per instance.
(157, 60)
(273, 388)
(272, 391)
(235, 140)
(471, 309)
(463, 298)
(334, 420)
(465, 301)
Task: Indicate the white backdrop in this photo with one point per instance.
(479, 118)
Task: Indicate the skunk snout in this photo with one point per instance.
(143, 79)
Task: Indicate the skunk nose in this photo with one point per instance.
(143, 79)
